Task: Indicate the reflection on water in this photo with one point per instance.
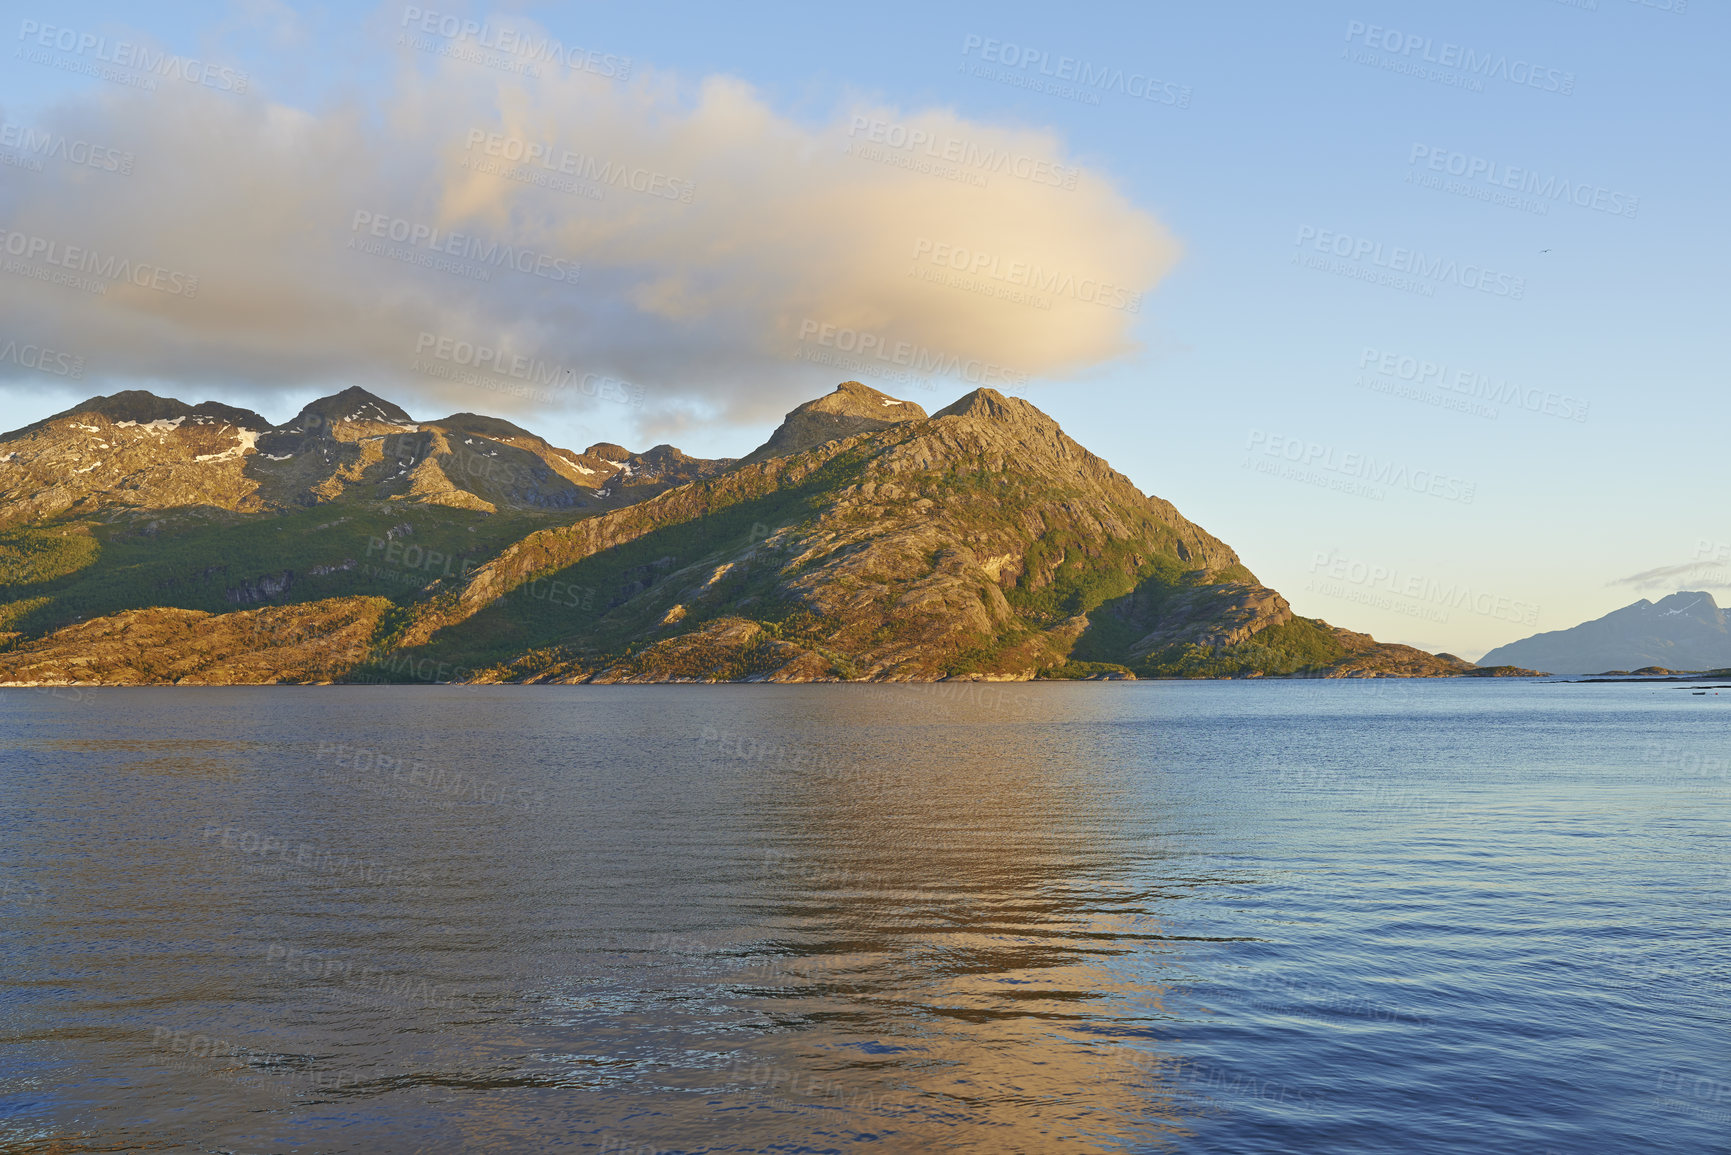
(1213, 917)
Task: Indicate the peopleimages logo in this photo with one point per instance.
(1360, 466)
(498, 358)
(965, 153)
(463, 246)
(311, 857)
(513, 42)
(1411, 262)
(1437, 375)
(41, 359)
(55, 146)
(1085, 75)
(1420, 588)
(575, 164)
(85, 260)
(908, 355)
(1523, 180)
(1025, 275)
(1407, 48)
(124, 54)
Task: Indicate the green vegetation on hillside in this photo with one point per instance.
(37, 554)
(1083, 577)
(1299, 645)
(228, 562)
(610, 604)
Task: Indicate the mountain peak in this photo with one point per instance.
(1684, 600)
(353, 404)
(483, 426)
(142, 407)
(138, 405)
(989, 403)
(849, 409)
(853, 399)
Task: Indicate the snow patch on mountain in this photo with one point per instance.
(245, 440)
(160, 426)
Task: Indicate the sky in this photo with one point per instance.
(1418, 306)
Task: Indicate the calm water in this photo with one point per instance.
(1207, 917)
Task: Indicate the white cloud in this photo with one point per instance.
(746, 226)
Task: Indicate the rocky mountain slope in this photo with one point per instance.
(136, 451)
(852, 408)
(863, 540)
(1685, 631)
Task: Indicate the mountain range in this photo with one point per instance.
(1685, 631)
(144, 540)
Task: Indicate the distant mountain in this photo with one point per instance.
(143, 540)
(1685, 631)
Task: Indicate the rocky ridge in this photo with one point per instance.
(852, 408)
(134, 451)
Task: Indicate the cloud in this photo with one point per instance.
(692, 246)
(1694, 575)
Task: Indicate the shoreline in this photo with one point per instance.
(950, 681)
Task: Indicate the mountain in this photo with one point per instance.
(1685, 631)
(137, 452)
(852, 408)
(131, 448)
(863, 540)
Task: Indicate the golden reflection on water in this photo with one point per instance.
(990, 890)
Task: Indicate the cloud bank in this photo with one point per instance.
(477, 239)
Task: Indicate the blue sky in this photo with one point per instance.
(1489, 446)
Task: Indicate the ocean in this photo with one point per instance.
(1258, 916)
